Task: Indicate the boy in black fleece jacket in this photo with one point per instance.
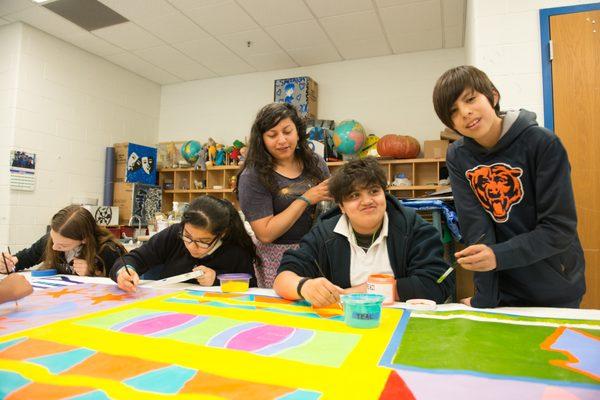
(369, 233)
(511, 183)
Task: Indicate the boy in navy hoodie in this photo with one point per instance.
(512, 188)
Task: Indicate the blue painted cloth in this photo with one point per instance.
(449, 214)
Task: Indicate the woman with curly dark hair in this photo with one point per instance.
(279, 185)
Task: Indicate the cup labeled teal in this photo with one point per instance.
(362, 310)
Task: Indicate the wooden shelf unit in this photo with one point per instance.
(184, 189)
(424, 173)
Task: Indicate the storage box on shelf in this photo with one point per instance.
(179, 184)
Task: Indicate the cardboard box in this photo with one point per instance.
(104, 216)
(302, 92)
(169, 154)
(436, 148)
(137, 199)
(120, 161)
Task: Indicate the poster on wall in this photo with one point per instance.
(141, 164)
(22, 170)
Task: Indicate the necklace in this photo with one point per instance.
(366, 241)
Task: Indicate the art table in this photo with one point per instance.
(91, 341)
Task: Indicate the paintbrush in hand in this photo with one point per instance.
(455, 263)
(126, 267)
(339, 303)
(7, 271)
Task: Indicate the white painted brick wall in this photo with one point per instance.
(386, 94)
(9, 63)
(503, 39)
(69, 106)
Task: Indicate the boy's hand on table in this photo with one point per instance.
(466, 301)
(320, 292)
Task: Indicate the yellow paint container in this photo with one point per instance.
(234, 282)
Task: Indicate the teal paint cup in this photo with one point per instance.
(362, 310)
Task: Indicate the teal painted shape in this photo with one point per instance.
(167, 380)
(301, 395)
(5, 345)
(95, 395)
(57, 363)
(10, 381)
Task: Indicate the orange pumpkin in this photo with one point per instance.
(398, 146)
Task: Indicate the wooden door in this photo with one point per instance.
(576, 95)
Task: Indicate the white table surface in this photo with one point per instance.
(591, 314)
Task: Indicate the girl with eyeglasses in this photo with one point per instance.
(211, 237)
(75, 245)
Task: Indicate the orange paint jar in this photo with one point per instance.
(382, 284)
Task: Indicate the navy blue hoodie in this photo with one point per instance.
(414, 249)
(519, 194)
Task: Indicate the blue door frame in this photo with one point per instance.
(545, 15)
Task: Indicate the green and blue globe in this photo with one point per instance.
(190, 150)
(348, 137)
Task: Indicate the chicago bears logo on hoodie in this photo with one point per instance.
(498, 187)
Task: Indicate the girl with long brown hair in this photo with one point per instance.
(75, 245)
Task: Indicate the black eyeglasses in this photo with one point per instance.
(199, 243)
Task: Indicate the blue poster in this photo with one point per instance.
(141, 164)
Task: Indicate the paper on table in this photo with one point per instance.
(174, 279)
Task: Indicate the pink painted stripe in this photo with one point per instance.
(156, 324)
(259, 337)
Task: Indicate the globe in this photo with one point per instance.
(190, 150)
(369, 148)
(348, 137)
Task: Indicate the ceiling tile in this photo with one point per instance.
(274, 12)
(391, 3)
(94, 44)
(175, 62)
(215, 56)
(454, 12)
(417, 41)
(315, 55)
(128, 36)
(260, 43)
(189, 4)
(192, 72)
(173, 28)
(453, 36)
(271, 61)
(298, 34)
(328, 8)
(403, 20)
(13, 6)
(363, 49)
(357, 35)
(222, 18)
(136, 10)
(134, 63)
(47, 21)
